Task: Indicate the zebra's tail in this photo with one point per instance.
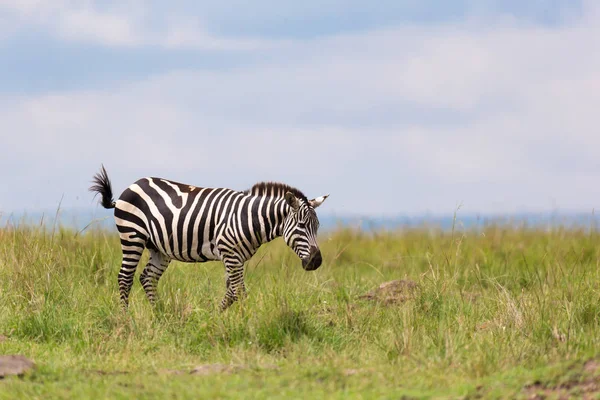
(102, 186)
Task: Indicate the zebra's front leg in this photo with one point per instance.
(236, 289)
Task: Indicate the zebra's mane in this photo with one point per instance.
(276, 189)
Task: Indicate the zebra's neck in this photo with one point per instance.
(276, 222)
(273, 212)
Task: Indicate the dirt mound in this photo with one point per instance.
(15, 365)
(392, 292)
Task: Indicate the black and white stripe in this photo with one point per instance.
(181, 222)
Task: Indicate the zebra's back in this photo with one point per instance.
(179, 220)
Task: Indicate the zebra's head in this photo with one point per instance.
(300, 229)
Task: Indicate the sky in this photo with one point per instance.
(392, 107)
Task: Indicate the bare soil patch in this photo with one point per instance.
(354, 371)
(582, 386)
(108, 373)
(15, 365)
(392, 292)
(210, 369)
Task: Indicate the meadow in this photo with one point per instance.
(501, 312)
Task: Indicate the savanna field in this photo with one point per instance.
(497, 313)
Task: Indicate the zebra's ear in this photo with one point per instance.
(292, 201)
(317, 201)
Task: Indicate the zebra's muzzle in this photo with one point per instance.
(313, 261)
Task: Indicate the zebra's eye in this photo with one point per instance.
(301, 225)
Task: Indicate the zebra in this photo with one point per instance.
(182, 222)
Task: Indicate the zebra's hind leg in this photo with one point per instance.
(156, 266)
(236, 288)
(132, 252)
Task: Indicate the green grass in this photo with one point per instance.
(494, 311)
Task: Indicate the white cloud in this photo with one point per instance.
(500, 116)
(90, 26)
(128, 23)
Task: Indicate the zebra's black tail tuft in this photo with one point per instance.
(102, 186)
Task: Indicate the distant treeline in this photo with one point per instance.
(86, 219)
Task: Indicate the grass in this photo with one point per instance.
(501, 313)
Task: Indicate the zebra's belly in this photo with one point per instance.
(188, 253)
(205, 255)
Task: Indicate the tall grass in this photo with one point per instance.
(497, 305)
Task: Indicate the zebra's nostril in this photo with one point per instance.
(313, 261)
(317, 257)
(317, 260)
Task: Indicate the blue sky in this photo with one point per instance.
(393, 107)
